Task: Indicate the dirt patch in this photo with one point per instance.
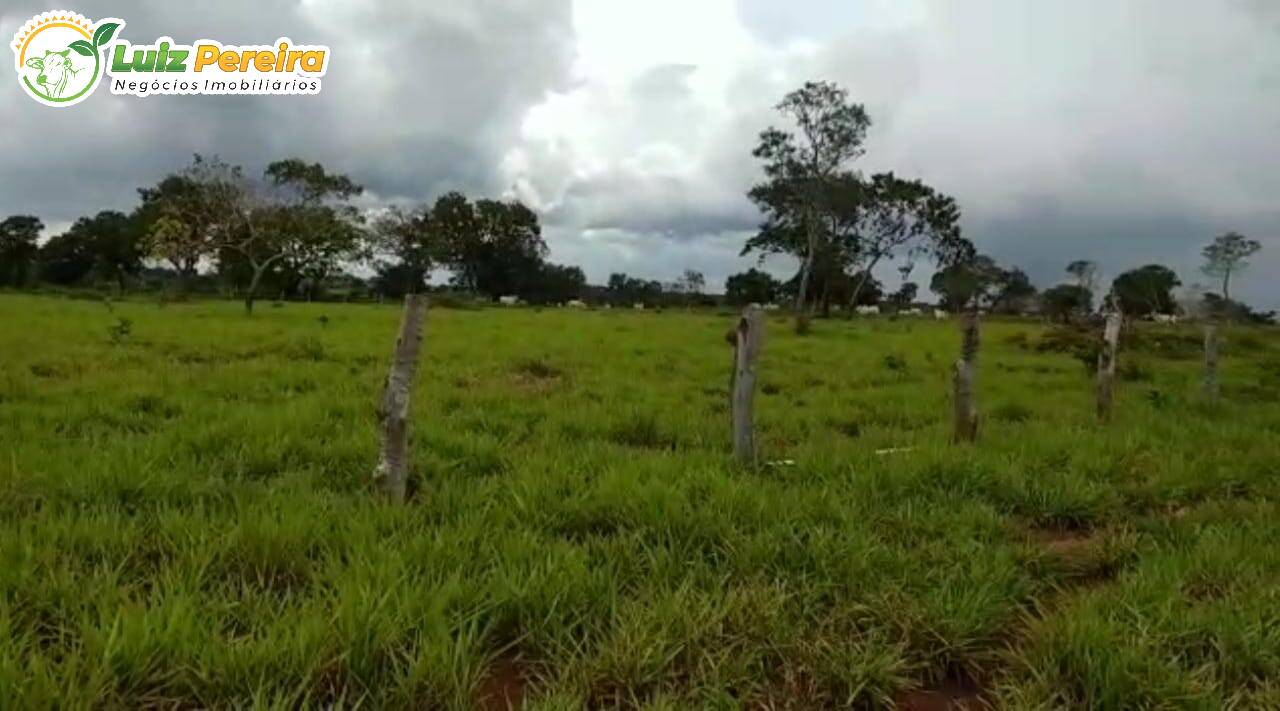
(504, 686)
(958, 691)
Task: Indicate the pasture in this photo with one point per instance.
(187, 518)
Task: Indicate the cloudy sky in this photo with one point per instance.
(1126, 131)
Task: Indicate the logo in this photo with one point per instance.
(60, 56)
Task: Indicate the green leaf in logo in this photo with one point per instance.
(82, 47)
(103, 34)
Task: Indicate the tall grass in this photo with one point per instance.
(186, 517)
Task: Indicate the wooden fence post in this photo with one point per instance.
(1107, 364)
(747, 339)
(966, 409)
(392, 474)
(1211, 361)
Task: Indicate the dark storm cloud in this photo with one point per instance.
(419, 98)
(1126, 132)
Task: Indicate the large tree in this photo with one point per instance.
(175, 226)
(405, 249)
(1146, 290)
(970, 283)
(751, 287)
(493, 247)
(298, 217)
(1014, 292)
(839, 224)
(799, 166)
(18, 249)
(1066, 301)
(1085, 273)
(1227, 255)
(107, 246)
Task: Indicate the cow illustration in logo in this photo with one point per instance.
(59, 56)
(56, 70)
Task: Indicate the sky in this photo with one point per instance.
(1123, 131)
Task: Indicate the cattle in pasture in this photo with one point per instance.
(577, 304)
(911, 312)
(509, 300)
(1164, 318)
(772, 307)
(939, 315)
(868, 310)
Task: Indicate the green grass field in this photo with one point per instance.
(187, 517)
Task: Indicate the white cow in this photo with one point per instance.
(868, 310)
(638, 307)
(577, 304)
(939, 315)
(911, 312)
(771, 307)
(509, 300)
(1164, 318)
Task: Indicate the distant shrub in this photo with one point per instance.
(895, 362)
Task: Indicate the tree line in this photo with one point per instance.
(840, 224)
(296, 230)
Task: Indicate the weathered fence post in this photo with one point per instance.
(747, 339)
(1107, 364)
(392, 474)
(1211, 361)
(966, 410)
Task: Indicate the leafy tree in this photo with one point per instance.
(553, 284)
(1085, 273)
(395, 279)
(623, 290)
(752, 287)
(967, 284)
(799, 167)
(887, 215)
(107, 245)
(691, 283)
(18, 249)
(317, 225)
(840, 225)
(118, 245)
(1228, 254)
(175, 226)
(1146, 290)
(1014, 291)
(492, 247)
(297, 219)
(68, 258)
(406, 247)
(905, 295)
(1066, 301)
